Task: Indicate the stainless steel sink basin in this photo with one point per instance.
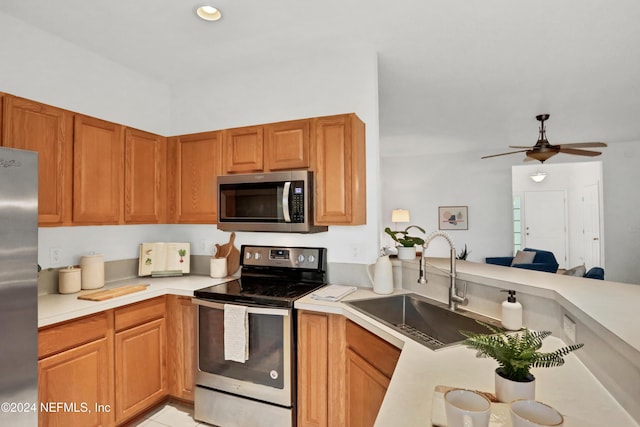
(424, 320)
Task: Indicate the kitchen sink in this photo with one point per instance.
(424, 320)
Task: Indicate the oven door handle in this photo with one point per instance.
(251, 310)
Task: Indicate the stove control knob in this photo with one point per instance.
(300, 258)
(311, 258)
(257, 256)
(248, 255)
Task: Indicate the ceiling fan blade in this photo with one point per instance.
(504, 154)
(564, 149)
(521, 146)
(584, 144)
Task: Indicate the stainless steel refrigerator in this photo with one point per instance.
(18, 288)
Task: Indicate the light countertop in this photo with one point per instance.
(572, 389)
(54, 308)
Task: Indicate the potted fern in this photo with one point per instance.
(406, 243)
(516, 354)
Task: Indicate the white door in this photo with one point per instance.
(545, 223)
(591, 211)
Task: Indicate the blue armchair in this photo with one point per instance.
(543, 261)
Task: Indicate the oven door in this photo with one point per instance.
(267, 375)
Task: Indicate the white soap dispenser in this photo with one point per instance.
(511, 312)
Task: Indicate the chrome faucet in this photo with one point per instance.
(454, 298)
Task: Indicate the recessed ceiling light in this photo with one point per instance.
(208, 13)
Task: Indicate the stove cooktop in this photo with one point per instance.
(262, 293)
(272, 276)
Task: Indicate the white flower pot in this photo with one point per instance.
(406, 252)
(507, 390)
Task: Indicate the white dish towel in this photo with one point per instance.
(236, 333)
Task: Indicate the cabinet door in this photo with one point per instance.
(313, 359)
(98, 171)
(144, 189)
(140, 361)
(339, 166)
(243, 150)
(195, 164)
(321, 369)
(181, 338)
(47, 130)
(80, 378)
(288, 145)
(366, 387)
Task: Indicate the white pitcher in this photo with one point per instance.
(382, 279)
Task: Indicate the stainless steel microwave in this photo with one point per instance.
(274, 201)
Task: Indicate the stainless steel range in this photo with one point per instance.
(253, 313)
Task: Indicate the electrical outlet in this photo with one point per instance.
(569, 327)
(55, 255)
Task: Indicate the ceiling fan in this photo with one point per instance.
(543, 150)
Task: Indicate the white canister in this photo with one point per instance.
(92, 271)
(69, 280)
(218, 268)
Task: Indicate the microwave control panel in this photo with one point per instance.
(297, 202)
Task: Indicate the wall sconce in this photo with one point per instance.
(538, 176)
(400, 215)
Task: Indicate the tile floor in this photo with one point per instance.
(172, 414)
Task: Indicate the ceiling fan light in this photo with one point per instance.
(538, 176)
(541, 155)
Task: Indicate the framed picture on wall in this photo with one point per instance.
(453, 218)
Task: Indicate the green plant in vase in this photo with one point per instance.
(405, 240)
(516, 354)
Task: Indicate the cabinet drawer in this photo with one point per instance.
(138, 313)
(373, 349)
(57, 338)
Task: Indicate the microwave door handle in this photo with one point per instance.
(285, 201)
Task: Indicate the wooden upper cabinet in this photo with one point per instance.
(194, 165)
(288, 145)
(144, 179)
(243, 149)
(98, 171)
(32, 126)
(340, 172)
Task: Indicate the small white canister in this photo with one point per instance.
(69, 280)
(218, 268)
(92, 271)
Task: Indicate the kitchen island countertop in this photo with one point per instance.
(572, 388)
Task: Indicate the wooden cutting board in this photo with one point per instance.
(112, 293)
(229, 251)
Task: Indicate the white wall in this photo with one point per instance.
(50, 70)
(421, 183)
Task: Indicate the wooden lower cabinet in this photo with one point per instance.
(79, 379)
(75, 373)
(181, 339)
(366, 387)
(343, 371)
(108, 367)
(140, 357)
